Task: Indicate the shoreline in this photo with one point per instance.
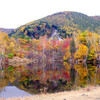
(88, 93)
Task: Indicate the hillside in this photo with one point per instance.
(6, 30)
(66, 23)
(96, 17)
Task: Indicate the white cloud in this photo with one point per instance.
(14, 13)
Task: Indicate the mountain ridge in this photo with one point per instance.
(6, 30)
(66, 23)
(96, 17)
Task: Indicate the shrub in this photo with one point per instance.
(20, 55)
(10, 55)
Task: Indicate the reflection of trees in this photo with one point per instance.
(81, 75)
(92, 73)
(58, 76)
(3, 81)
(97, 75)
(54, 78)
(72, 74)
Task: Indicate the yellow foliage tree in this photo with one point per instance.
(81, 52)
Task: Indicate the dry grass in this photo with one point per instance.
(88, 93)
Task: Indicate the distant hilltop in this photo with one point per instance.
(96, 17)
(6, 30)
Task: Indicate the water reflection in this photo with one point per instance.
(50, 77)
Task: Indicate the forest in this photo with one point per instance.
(81, 47)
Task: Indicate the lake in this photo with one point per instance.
(45, 77)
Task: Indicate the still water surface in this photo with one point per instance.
(51, 76)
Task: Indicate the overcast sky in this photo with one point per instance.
(14, 13)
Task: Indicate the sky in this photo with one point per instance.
(14, 13)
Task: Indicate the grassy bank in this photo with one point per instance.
(88, 93)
